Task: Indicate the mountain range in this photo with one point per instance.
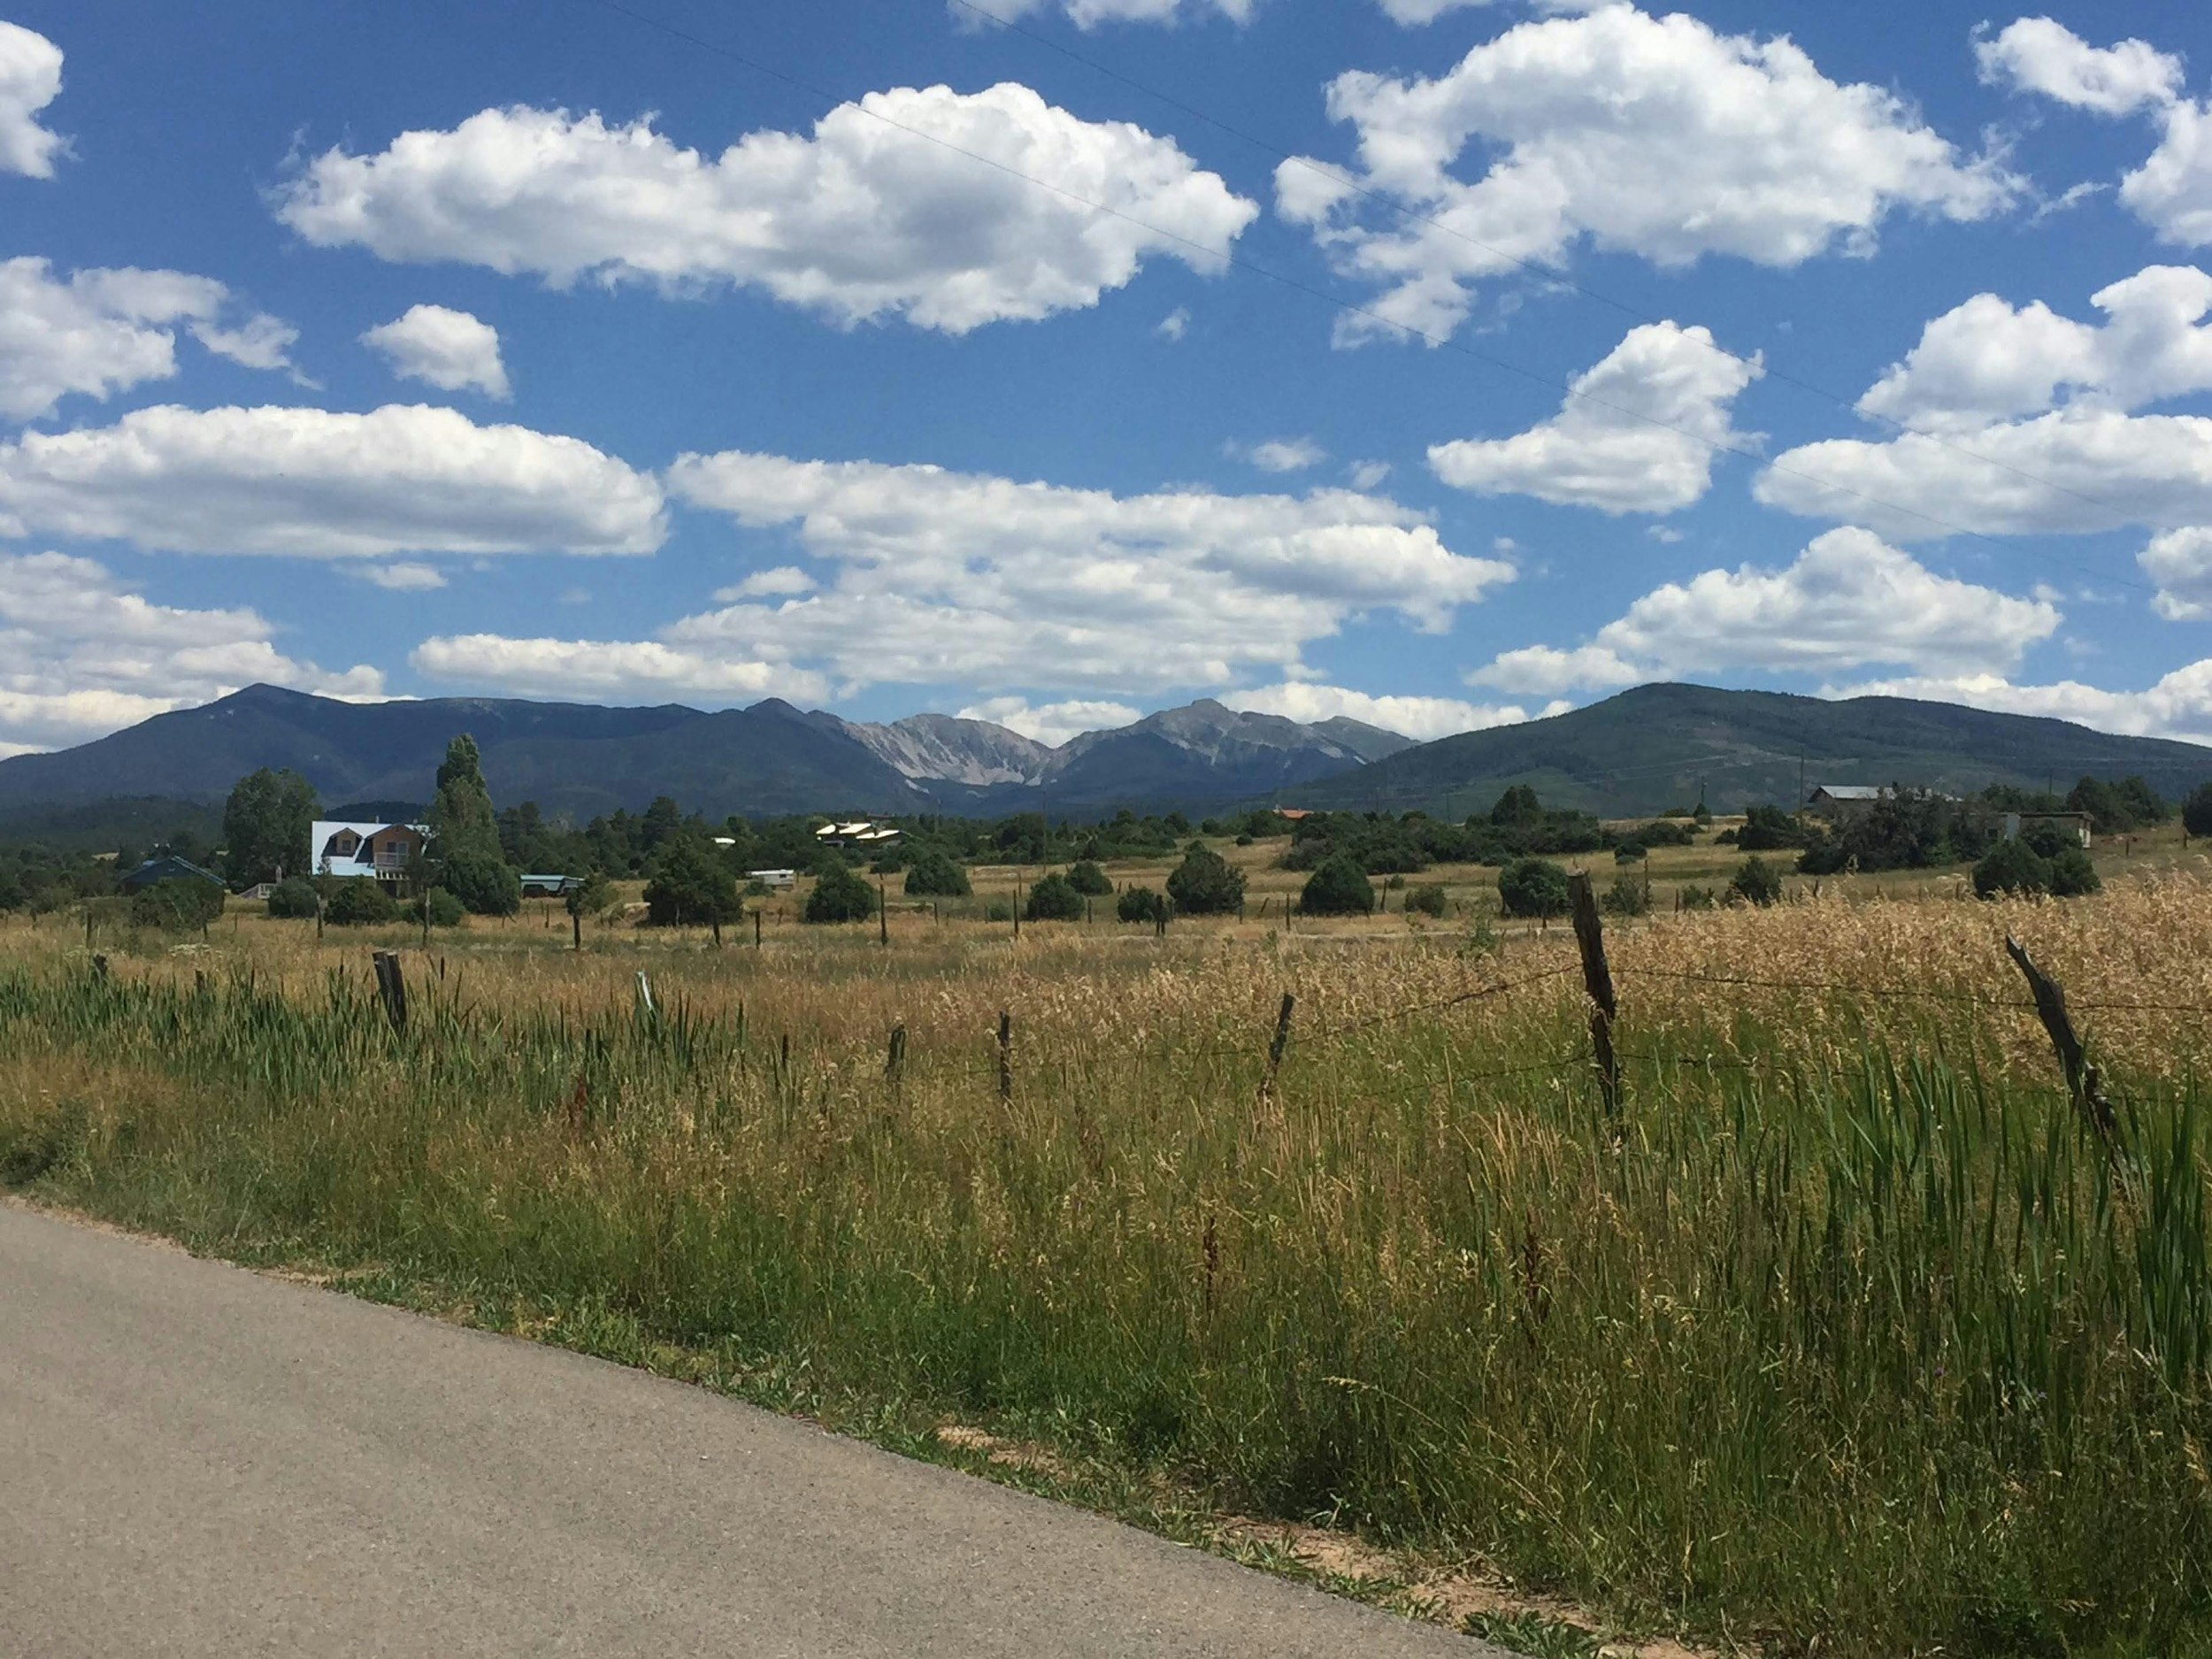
(1637, 753)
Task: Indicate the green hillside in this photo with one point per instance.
(1659, 746)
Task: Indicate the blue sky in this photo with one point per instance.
(919, 362)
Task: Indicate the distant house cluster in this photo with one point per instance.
(1841, 802)
(863, 833)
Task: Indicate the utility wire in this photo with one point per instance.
(1228, 257)
(1549, 273)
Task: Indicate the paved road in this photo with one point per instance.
(196, 1460)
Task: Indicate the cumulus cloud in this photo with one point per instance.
(399, 576)
(101, 332)
(1655, 136)
(608, 668)
(1175, 324)
(1849, 599)
(1052, 723)
(782, 582)
(2178, 706)
(1637, 433)
(81, 655)
(1413, 13)
(1420, 717)
(451, 350)
(878, 214)
(2180, 561)
(2075, 470)
(30, 79)
(937, 578)
(1280, 455)
(2037, 54)
(1988, 361)
(316, 484)
(1088, 14)
(2171, 192)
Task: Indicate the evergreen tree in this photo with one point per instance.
(1205, 883)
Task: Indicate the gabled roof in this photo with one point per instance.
(1851, 791)
(168, 867)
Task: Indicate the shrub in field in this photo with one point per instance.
(1696, 898)
(1054, 899)
(1139, 905)
(1428, 899)
(1339, 888)
(1088, 879)
(2196, 811)
(1756, 882)
(445, 909)
(840, 895)
(998, 910)
(691, 887)
(177, 906)
(359, 902)
(1770, 829)
(2015, 867)
(1205, 883)
(2073, 874)
(294, 898)
(935, 876)
(483, 882)
(1629, 895)
(591, 896)
(1629, 853)
(1532, 887)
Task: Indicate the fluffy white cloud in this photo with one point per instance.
(2075, 470)
(1052, 723)
(608, 668)
(451, 350)
(1637, 433)
(30, 79)
(1986, 361)
(2039, 56)
(2179, 706)
(399, 576)
(1413, 13)
(2173, 191)
(783, 582)
(1280, 455)
(878, 214)
(939, 577)
(1421, 718)
(2180, 561)
(1175, 324)
(1849, 599)
(1086, 14)
(80, 657)
(101, 332)
(1655, 136)
(318, 484)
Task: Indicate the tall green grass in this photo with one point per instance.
(1880, 1355)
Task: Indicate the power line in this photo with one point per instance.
(1549, 273)
(1229, 257)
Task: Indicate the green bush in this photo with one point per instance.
(1629, 895)
(1629, 853)
(1088, 879)
(177, 905)
(840, 896)
(483, 882)
(591, 896)
(1532, 887)
(2015, 867)
(1054, 899)
(1756, 882)
(1205, 883)
(446, 911)
(2196, 811)
(998, 910)
(294, 898)
(1428, 899)
(691, 887)
(935, 876)
(1339, 888)
(1139, 905)
(1695, 898)
(359, 902)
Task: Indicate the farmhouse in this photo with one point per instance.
(2076, 824)
(381, 850)
(1839, 802)
(168, 867)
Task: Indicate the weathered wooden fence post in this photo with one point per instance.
(894, 1063)
(1282, 1035)
(2082, 1079)
(576, 927)
(1006, 1055)
(756, 930)
(392, 986)
(1597, 978)
(883, 915)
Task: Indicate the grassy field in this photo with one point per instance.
(1846, 1338)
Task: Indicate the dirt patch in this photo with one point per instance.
(1006, 1454)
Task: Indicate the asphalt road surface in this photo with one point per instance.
(199, 1461)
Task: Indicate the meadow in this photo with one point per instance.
(1848, 1334)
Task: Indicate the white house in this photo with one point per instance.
(381, 850)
